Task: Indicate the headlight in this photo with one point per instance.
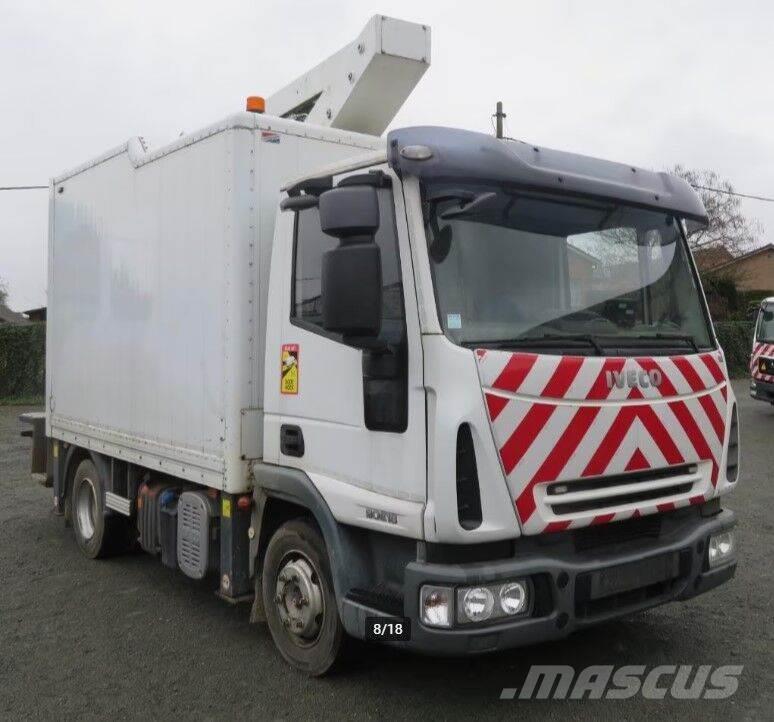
(491, 602)
(513, 598)
(478, 603)
(435, 605)
(722, 548)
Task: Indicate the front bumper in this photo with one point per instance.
(559, 572)
(762, 390)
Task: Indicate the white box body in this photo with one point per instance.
(157, 293)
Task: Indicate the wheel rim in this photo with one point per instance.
(299, 599)
(86, 508)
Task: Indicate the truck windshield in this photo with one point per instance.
(766, 324)
(516, 269)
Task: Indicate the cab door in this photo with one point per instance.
(351, 416)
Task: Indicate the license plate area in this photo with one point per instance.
(625, 577)
(629, 587)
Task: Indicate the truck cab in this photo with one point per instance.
(506, 373)
(762, 356)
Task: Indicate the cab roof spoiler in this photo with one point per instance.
(456, 154)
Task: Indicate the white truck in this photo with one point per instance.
(762, 357)
(452, 392)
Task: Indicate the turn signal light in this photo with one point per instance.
(435, 606)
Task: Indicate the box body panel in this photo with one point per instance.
(158, 281)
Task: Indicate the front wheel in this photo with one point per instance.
(299, 600)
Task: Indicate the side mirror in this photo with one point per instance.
(350, 213)
(352, 290)
(351, 272)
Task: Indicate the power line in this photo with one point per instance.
(733, 193)
(21, 188)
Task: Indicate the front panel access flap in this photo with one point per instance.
(590, 440)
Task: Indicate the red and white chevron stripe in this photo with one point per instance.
(761, 350)
(556, 418)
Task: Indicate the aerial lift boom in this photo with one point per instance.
(362, 86)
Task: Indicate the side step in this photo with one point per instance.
(118, 503)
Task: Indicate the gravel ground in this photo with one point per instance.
(127, 638)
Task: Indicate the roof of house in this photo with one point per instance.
(744, 256)
(36, 314)
(711, 256)
(582, 254)
(9, 316)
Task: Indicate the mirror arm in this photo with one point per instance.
(380, 359)
(299, 203)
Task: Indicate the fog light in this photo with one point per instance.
(513, 598)
(435, 606)
(478, 604)
(722, 548)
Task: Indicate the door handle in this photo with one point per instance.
(291, 440)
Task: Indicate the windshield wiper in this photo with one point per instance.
(587, 337)
(552, 338)
(687, 338)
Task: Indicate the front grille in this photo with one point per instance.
(594, 504)
(597, 494)
(623, 532)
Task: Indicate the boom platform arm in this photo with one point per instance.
(362, 86)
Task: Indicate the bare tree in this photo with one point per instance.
(3, 293)
(729, 228)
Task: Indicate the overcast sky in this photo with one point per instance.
(661, 83)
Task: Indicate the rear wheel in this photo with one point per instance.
(97, 534)
(299, 600)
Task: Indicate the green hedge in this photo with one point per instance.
(736, 341)
(22, 362)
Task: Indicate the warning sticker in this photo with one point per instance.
(289, 369)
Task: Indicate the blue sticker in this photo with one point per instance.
(453, 320)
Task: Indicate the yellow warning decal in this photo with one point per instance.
(225, 508)
(289, 368)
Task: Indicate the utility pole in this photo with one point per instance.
(500, 116)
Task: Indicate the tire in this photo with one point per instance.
(98, 535)
(297, 549)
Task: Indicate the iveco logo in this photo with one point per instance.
(633, 379)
